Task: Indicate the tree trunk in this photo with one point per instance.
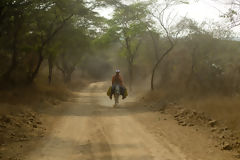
(130, 70)
(68, 77)
(157, 64)
(13, 65)
(66, 71)
(130, 58)
(44, 43)
(40, 60)
(50, 68)
(152, 77)
(63, 73)
(7, 74)
(192, 68)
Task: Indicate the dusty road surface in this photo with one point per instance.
(89, 128)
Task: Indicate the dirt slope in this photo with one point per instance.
(89, 128)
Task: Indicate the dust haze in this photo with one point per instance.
(57, 59)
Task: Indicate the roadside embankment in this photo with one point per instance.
(220, 115)
(22, 124)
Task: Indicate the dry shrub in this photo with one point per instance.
(166, 95)
(218, 106)
(224, 108)
(33, 94)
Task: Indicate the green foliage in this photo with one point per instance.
(105, 40)
(67, 32)
(29, 31)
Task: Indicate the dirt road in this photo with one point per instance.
(91, 129)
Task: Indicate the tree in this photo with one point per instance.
(28, 28)
(128, 25)
(73, 44)
(203, 44)
(51, 17)
(13, 16)
(233, 14)
(164, 20)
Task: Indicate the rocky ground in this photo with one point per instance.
(226, 138)
(22, 124)
(18, 131)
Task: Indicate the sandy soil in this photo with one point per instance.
(89, 128)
